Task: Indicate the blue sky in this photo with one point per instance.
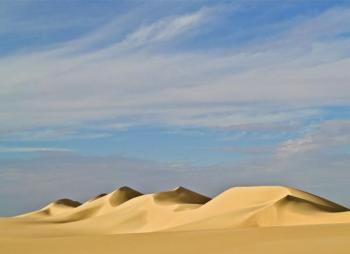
(155, 94)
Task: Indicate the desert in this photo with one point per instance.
(174, 126)
(254, 219)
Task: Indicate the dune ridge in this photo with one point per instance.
(180, 195)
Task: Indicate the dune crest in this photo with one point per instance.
(180, 195)
(122, 195)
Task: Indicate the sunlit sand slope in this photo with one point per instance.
(271, 218)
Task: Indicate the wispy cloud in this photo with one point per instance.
(32, 149)
(330, 135)
(166, 28)
(58, 134)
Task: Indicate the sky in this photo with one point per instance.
(95, 95)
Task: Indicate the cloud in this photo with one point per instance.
(330, 135)
(334, 21)
(32, 149)
(291, 147)
(56, 134)
(165, 29)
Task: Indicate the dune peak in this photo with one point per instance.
(66, 202)
(180, 195)
(180, 188)
(123, 194)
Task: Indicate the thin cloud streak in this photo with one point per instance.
(329, 136)
(32, 149)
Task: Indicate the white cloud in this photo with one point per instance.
(330, 135)
(295, 146)
(59, 134)
(165, 29)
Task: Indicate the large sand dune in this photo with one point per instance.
(265, 219)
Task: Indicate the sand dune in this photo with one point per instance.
(54, 208)
(173, 212)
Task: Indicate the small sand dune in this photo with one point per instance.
(171, 213)
(54, 208)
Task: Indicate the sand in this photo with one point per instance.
(263, 219)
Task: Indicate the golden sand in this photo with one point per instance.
(264, 219)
